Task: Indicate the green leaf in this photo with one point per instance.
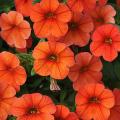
(6, 5)
(117, 69)
(36, 1)
(26, 61)
(108, 70)
(33, 72)
(63, 95)
(63, 1)
(11, 117)
(109, 76)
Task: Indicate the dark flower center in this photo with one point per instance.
(25, 1)
(58, 118)
(101, 20)
(13, 25)
(83, 69)
(49, 15)
(94, 100)
(52, 57)
(8, 67)
(108, 41)
(32, 111)
(73, 25)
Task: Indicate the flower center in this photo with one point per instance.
(52, 57)
(33, 111)
(108, 41)
(94, 100)
(72, 25)
(49, 15)
(13, 25)
(58, 118)
(101, 20)
(83, 69)
(25, 1)
(9, 68)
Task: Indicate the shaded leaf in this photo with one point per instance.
(117, 69)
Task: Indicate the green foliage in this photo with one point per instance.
(6, 5)
(26, 61)
(11, 118)
(117, 69)
(36, 83)
(36, 1)
(63, 1)
(117, 17)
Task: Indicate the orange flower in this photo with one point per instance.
(23, 6)
(7, 94)
(50, 18)
(80, 5)
(72, 116)
(79, 30)
(94, 102)
(33, 107)
(53, 58)
(106, 42)
(115, 111)
(63, 113)
(103, 14)
(29, 42)
(14, 30)
(10, 70)
(86, 70)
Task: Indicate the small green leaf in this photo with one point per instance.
(32, 72)
(11, 117)
(63, 95)
(117, 69)
(36, 1)
(63, 1)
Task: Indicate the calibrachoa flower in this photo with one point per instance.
(106, 42)
(86, 70)
(50, 18)
(93, 101)
(10, 70)
(103, 14)
(29, 42)
(79, 30)
(63, 113)
(115, 111)
(33, 107)
(14, 30)
(53, 58)
(80, 5)
(23, 6)
(7, 94)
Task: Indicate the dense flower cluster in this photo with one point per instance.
(54, 34)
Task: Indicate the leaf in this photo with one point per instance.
(63, 1)
(36, 1)
(117, 17)
(108, 71)
(26, 61)
(117, 69)
(109, 76)
(11, 117)
(6, 5)
(63, 95)
(33, 72)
